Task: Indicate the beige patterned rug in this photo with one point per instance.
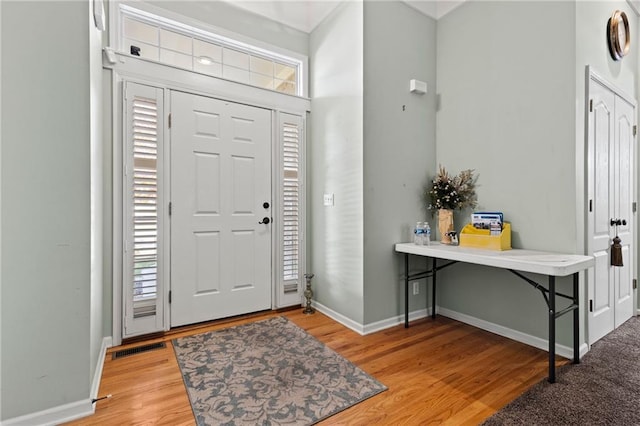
(268, 372)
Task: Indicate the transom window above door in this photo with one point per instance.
(174, 43)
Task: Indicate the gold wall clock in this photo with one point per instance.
(618, 35)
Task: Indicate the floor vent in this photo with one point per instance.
(137, 350)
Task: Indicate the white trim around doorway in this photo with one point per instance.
(136, 70)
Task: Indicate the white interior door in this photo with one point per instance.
(623, 197)
(601, 276)
(611, 168)
(220, 180)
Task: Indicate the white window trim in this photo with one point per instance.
(227, 37)
(137, 70)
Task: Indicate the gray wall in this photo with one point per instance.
(335, 160)
(506, 82)
(399, 146)
(46, 239)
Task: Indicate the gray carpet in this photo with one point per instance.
(267, 373)
(604, 389)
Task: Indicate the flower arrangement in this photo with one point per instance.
(452, 193)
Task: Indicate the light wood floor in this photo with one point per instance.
(437, 371)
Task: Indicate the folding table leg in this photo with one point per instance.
(576, 320)
(552, 329)
(433, 288)
(406, 290)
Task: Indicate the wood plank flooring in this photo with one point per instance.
(438, 372)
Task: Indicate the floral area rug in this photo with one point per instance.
(268, 372)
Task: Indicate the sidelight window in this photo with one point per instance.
(291, 198)
(142, 277)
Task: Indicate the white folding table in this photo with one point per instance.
(515, 261)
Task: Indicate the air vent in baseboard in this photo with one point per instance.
(139, 349)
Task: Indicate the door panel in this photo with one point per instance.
(220, 176)
(623, 199)
(602, 300)
(206, 254)
(207, 183)
(600, 278)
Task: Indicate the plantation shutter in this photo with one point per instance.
(145, 202)
(142, 294)
(291, 201)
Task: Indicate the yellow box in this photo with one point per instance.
(481, 238)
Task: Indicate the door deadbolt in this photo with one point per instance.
(265, 205)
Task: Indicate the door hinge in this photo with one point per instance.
(590, 205)
(590, 305)
(170, 208)
(635, 130)
(634, 207)
(169, 120)
(169, 296)
(635, 283)
(590, 105)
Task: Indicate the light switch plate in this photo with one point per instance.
(328, 199)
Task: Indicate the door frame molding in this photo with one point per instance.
(593, 75)
(138, 70)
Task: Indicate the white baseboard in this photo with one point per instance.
(67, 412)
(392, 322)
(55, 415)
(107, 342)
(518, 336)
(373, 327)
(527, 339)
(346, 321)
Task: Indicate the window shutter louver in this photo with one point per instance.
(145, 206)
(291, 206)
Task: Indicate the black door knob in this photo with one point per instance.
(265, 220)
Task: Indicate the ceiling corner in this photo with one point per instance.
(426, 7)
(436, 9)
(445, 6)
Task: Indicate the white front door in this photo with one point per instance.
(220, 182)
(610, 189)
